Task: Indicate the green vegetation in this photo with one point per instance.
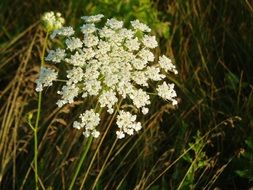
(206, 142)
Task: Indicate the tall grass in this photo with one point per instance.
(199, 145)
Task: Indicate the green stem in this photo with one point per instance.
(42, 61)
(101, 141)
(37, 119)
(87, 147)
(36, 142)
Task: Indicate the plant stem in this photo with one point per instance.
(101, 141)
(87, 147)
(35, 129)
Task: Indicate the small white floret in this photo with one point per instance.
(167, 92)
(46, 78)
(137, 25)
(167, 64)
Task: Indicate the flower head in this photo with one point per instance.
(111, 64)
(52, 21)
(167, 92)
(63, 31)
(137, 25)
(46, 78)
(114, 23)
(56, 56)
(127, 124)
(89, 121)
(167, 65)
(94, 18)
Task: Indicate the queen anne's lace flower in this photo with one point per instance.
(92, 87)
(140, 98)
(108, 33)
(146, 55)
(127, 124)
(63, 31)
(68, 92)
(52, 21)
(56, 55)
(140, 78)
(167, 92)
(167, 65)
(88, 28)
(108, 99)
(94, 18)
(78, 59)
(46, 78)
(153, 73)
(75, 75)
(137, 25)
(149, 41)
(139, 64)
(89, 121)
(114, 23)
(73, 43)
(90, 40)
(110, 63)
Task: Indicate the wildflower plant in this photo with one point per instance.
(51, 21)
(112, 64)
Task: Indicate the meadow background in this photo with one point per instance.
(204, 143)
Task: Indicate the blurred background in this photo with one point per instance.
(204, 143)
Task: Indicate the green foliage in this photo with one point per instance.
(162, 186)
(246, 170)
(197, 161)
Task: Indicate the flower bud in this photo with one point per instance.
(52, 21)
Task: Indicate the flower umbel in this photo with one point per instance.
(89, 121)
(167, 92)
(127, 124)
(46, 78)
(111, 64)
(52, 21)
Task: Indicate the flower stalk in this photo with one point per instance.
(83, 156)
(50, 21)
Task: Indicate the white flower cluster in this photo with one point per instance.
(167, 92)
(46, 78)
(127, 124)
(111, 63)
(52, 21)
(89, 121)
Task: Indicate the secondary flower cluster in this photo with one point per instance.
(52, 21)
(111, 63)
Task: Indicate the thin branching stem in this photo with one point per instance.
(35, 129)
(101, 141)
